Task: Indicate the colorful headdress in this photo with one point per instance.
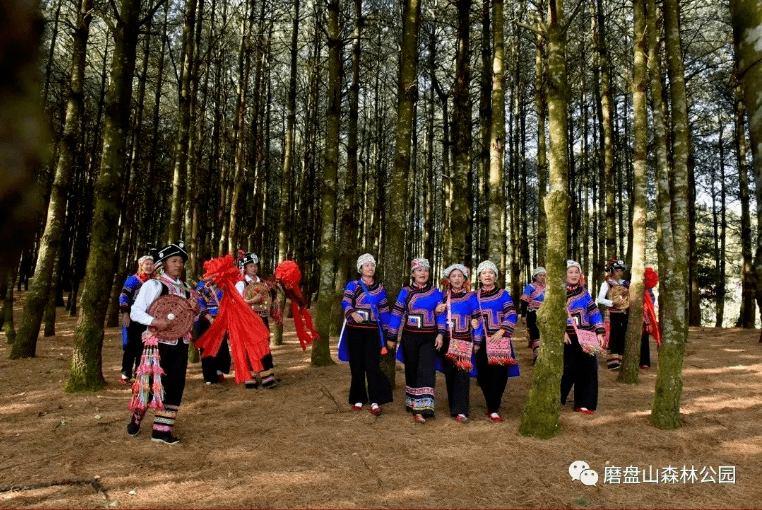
(249, 258)
(615, 264)
(171, 250)
(419, 263)
(364, 259)
(487, 264)
(460, 267)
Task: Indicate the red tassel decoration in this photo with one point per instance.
(249, 338)
(288, 275)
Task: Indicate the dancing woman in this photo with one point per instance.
(422, 333)
(496, 362)
(367, 314)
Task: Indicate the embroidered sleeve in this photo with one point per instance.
(128, 293)
(347, 302)
(509, 314)
(477, 316)
(383, 310)
(594, 317)
(441, 318)
(527, 293)
(398, 311)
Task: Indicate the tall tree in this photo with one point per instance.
(37, 297)
(630, 366)
(673, 215)
(746, 21)
(543, 405)
(746, 318)
(497, 137)
(86, 364)
(461, 214)
(321, 354)
(395, 265)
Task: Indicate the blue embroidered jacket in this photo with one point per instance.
(583, 310)
(532, 298)
(417, 306)
(206, 301)
(497, 311)
(464, 307)
(129, 293)
(356, 300)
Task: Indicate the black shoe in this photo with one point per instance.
(270, 384)
(251, 385)
(164, 437)
(133, 428)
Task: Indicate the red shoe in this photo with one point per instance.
(645, 367)
(375, 409)
(419, 418)
(461, 418)
(496, 418)
(124, 381)
(357, 407)
(584, 410)
(221, 378)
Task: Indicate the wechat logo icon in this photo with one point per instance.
(580, 470)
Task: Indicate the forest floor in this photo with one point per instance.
(301, 446)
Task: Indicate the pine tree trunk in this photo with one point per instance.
(395, 265)
(36, 299)
(86, 365)
(746, 21)
(630, 365)
(746, 318)
(495, 199)
(674, 277)
(321, 354)
(542, 408)
(542, 159)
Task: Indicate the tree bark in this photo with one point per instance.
(497, 138)
(675, 230)
(543, 405)
(320, 348)
(36, 299)
(86, 365)
(746, 318)
(746, 21)
(630, 369)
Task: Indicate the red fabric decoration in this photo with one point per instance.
(249, 337)
(650, 278)
(289, 276)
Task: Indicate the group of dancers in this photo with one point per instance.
(460, 332)
(464, 334)
(228, 310)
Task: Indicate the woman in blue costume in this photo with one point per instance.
(465, 335)
(367, 318)
(580, 368)
(531, 300)
(132, 332)
(213, 368)
(422, 333)
(496, 362)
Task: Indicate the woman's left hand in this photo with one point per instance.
(441, 307)
(438, 341)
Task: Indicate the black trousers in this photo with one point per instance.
(174, 362)
(617, 332)
(581, 372)
(364, 349)
(534, 331)
(458, 384)
(645, 351)
(211, 364)
(134, 348)
(492, 380)
(419, 354)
